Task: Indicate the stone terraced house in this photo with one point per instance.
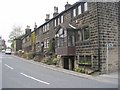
(80, 35)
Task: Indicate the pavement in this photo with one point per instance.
(108, 78)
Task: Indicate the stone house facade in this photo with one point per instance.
(2, 44)
(80, 34)
(26, 41)
(18, 44)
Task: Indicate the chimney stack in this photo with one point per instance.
(27, 30)
(47, 17)
(67, 6)
(35, 26)
(55, 11)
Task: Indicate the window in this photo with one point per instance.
(85, 6)
(62, 19)
(58, 20)
(86, 59)
(47, 42)
(81, 59)
(71, 38)
(60, 37)
(79, 10)
(43, 28)
(79, 35)
(86, 33)
(60, 31)
(74, 12)
(55, 22)
(48, 26)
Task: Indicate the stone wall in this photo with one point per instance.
(108, 27)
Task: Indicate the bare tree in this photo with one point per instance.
(17, 31)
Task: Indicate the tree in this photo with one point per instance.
(17, 32)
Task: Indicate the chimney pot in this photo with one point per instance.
(55, 11)
(67, 6)
(47, 17)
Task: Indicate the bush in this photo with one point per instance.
(24, 55)
(50, 60)
(77, 69)
(55, 61)
(80, 70)
(30, 55)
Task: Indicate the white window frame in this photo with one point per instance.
(55, 22)
(85, 6)
(48, 26)
(79, 10)
(58, 20)
(62, 19)
(47, 43)
(43, 29)
(74, 12)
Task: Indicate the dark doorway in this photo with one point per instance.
(66, 63)
(69, 62)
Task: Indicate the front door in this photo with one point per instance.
(66, 63)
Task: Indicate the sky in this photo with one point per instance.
(26, 12)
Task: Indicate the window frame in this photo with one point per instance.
(74, 12)
(84, 34)
(79, 9)
(85, 6)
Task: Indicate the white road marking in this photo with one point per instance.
(35, 79)
(8, 66)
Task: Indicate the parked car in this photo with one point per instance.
(8, 51)
(3, 51)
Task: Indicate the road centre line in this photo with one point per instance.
(34, 78)
(8, 66)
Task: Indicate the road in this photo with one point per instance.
(17, 73)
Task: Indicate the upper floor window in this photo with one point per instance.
(62, 19)
(55, 22)
(79, 10)
(86, 33)
(47, 26)
(85, 6)
(60, 31)
(58, 20)
(74, 12)
(79, 37)
(43, 28)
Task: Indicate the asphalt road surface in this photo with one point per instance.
(17, 73)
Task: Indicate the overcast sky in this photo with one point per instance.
(26, 12)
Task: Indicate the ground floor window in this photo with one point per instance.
(85, 60)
